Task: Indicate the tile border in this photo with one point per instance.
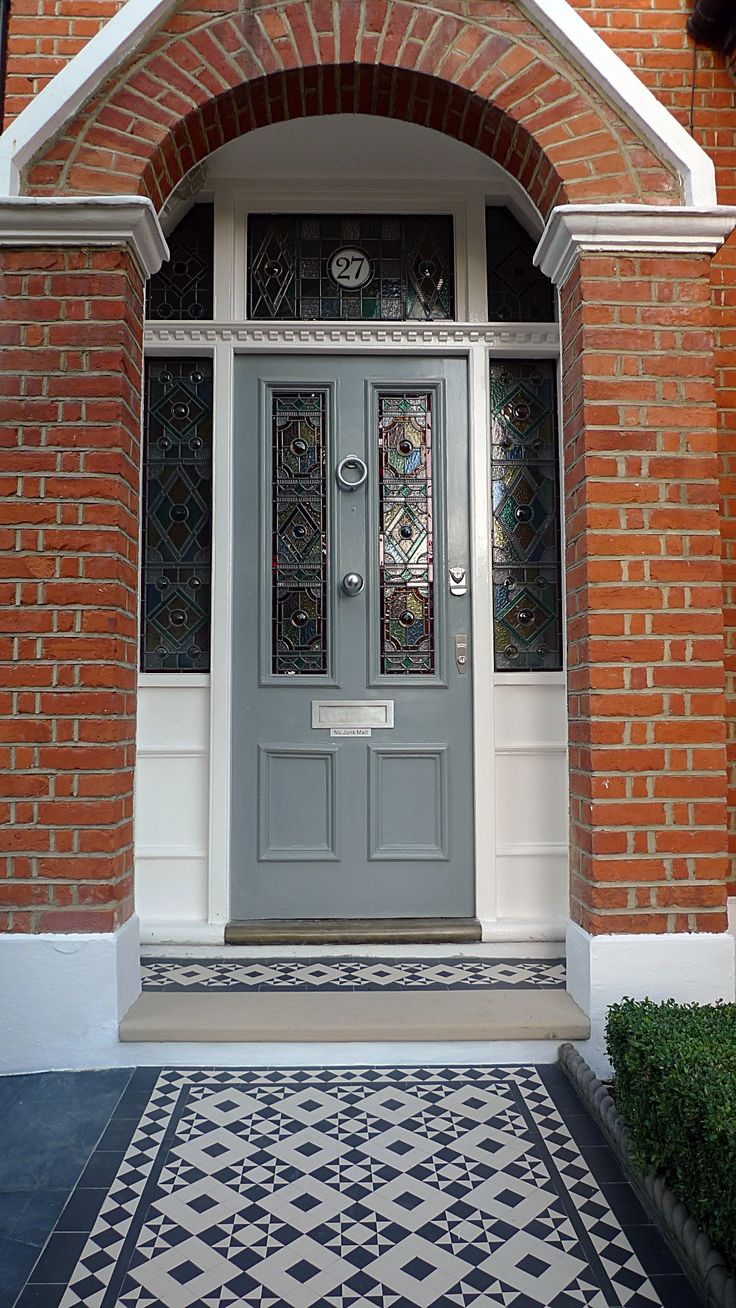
(702, 1262)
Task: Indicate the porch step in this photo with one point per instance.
(354, 1016)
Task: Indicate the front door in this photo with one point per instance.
(352, 781)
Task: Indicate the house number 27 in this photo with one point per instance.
(350, 268)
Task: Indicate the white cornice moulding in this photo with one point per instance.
(126, 31)
(573, 229)
(81, 220)
(60, 99)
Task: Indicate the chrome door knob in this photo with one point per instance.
(352, 583)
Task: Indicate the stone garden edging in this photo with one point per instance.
(703, 1263)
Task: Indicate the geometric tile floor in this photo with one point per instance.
(327, 974)
(394, 1188)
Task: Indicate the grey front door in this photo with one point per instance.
(352, 783)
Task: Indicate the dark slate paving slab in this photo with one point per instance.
(51, 1123)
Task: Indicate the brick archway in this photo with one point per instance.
(495, 83)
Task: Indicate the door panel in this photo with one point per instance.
(378, 822)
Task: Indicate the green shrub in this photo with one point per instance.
(675, 1086)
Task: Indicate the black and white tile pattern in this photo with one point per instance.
(327, 974)
(397, 1188)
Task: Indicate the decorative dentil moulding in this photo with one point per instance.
(574, 229)
(544, 337)
(85, 220)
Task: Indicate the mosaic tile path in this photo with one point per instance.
(326, 974)
(344, 1188)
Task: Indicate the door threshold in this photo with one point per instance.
(353, 931)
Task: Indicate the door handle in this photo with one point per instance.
(352, 583)
(351, 464)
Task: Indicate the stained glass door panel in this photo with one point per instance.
(352, 723)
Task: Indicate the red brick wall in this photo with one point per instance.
(42, 36)
(645, 639)
(69, 476)
(646, 667)
(487, 77)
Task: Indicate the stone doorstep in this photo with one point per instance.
(355, 1016)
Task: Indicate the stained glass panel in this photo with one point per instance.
(517, 291)
(299, 525)
(364, 266)
(526, 516)
(405, 543)
(184, 285)
(177, 492)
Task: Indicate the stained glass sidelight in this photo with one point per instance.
(364, 266)
(526, 516)
(184, 285)
(299, 525)
(405, 544)
(517, 291)
(177, 488)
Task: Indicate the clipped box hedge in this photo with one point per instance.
(675, 1087)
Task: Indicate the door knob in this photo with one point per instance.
(352, 583)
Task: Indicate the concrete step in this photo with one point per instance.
(354, 1016)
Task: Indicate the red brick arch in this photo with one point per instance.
(494, 82)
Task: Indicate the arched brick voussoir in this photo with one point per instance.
(496, 83)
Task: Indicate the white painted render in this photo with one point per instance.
(126, 31)
(62, 996)
(601, 970)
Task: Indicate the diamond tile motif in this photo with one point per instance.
(420, 1187)
(354, 974)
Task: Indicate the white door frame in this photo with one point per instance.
(230, 334)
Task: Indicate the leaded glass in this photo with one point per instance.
(177, 493)
(184, 285)
(405, 545)
(362, 266)
(517, 291)
(526, 516)
(299, 526)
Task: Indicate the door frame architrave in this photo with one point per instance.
(471, 337)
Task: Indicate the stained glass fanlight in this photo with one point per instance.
(527, 612)
(184, 285)
(517, 291)
(405, 540)
(299, 533)
(363, 266)
(177, 491)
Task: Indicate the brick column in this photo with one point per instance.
(71, 281)
(648, 832)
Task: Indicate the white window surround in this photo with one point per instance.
(126, 31)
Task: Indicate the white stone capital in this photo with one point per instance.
(105, 220)
(574, 229)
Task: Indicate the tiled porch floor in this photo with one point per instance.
(366, 974)
(412, 1187)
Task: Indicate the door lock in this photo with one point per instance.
(461, 653)
(458, 583)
